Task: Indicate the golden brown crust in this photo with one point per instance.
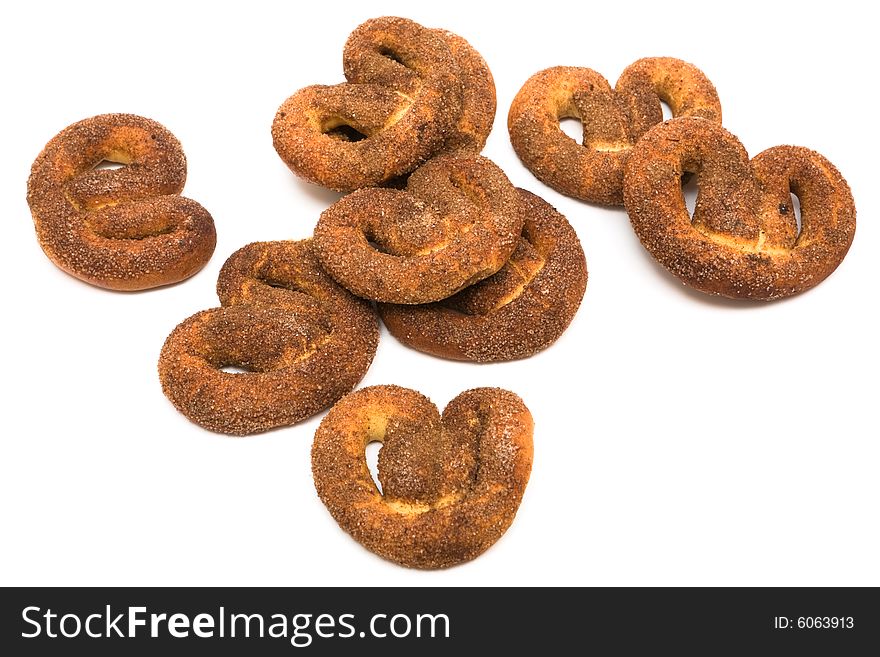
(458, 222)
(123, 229)
(303, 340)
(613, 120)
(743, 241)
(518, 311)
(411, 93)
(478, 101)
(451, 485)
(402, 97)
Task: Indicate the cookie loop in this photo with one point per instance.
(612, 120)
(125, 228)
(411, 93)
(478, 103)
(743, 240)
(302, 340)
(457, 222)
(451, 485)
(516, 312)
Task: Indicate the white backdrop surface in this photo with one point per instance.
(679, 439)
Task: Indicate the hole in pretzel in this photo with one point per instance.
(371, 454)
(234, 369)
(345, 133)
(109, 165)
(690, 188)
(390, 54)
(667, 110)
(796, 208)
(573, 128)
(281, 285)
(375, 241)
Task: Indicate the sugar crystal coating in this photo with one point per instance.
(302, 340)
(451, 484)
(743, 241)
(123, 229)
(612, 120)
(518, 311)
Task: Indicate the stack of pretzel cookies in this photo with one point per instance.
(433, 239)
(744, 240)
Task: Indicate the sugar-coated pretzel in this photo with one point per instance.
(743, 240)
(125, 228)
(518, 311)
(451, 485)
(303, 340)
(612, 120)
(457, 222)
(478, 101)
(411, 92)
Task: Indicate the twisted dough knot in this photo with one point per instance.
(303, 341)
(516, 312)
(123, 229)
(743, 241)
(457, 222)
(451, 485)
(412, 92)
(613, 120)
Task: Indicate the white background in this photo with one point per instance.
(679, 439)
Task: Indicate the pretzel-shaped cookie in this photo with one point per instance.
(451, 485)
(303, 340)
(123, 229)
(411, 92)
(457, 222)
(743, 241)
(516, 312)
(613, 120)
